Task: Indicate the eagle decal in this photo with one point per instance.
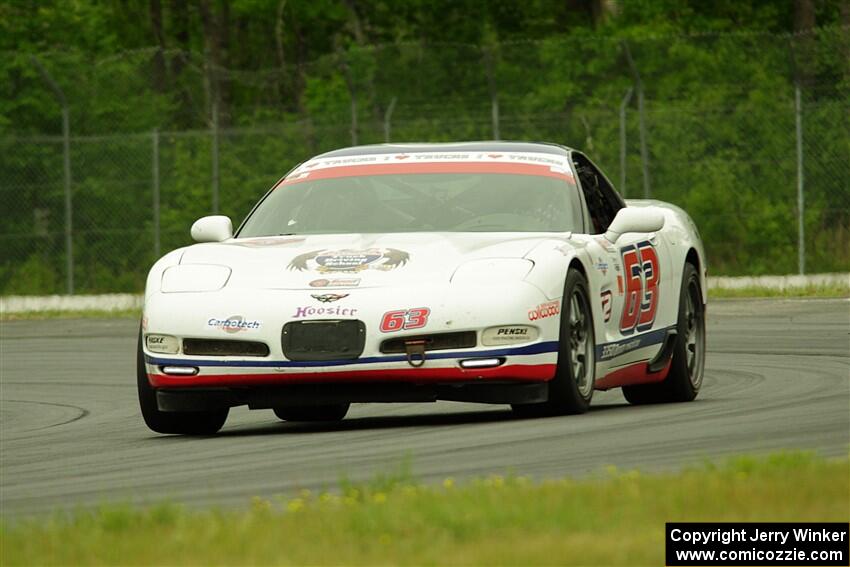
(350, 260)
(395, 258)
(300, 262)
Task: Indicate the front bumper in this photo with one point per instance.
(205, 399)
(452, 308)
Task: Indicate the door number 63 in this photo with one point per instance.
(640, 267)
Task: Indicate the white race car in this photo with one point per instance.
(494, 272)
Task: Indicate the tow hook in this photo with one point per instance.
(415, 350)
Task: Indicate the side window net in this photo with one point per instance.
(602, 202)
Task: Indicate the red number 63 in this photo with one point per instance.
(640, 264)
(404, 319)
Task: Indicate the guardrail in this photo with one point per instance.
(128, 301)
(779, 282)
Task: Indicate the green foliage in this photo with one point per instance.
(718, 77)
(34, 276)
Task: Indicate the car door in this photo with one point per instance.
(630, 276)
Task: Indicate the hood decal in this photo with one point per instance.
(323, 262)
(349, 260)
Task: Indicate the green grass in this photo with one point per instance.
(815, 291)
(614, 518)
(84, 314)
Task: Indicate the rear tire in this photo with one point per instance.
(688, 365)
(571, 390)
(330, 412)
(186, 423)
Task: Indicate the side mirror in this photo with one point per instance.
(214, 228)
(635, 219)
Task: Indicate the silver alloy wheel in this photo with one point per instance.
(694, 336)
(582, 343)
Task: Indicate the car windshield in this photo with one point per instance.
(324, 202)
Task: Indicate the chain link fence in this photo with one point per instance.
(711, 123)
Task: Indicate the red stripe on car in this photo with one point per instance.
(633, 374)
(521, 372)
(428, 167)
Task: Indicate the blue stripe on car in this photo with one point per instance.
(607, 351)
(614, 349)
(538, 348)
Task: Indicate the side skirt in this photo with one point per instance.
(633, 374)
(643, 372)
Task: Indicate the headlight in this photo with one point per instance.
(492, 271)
(194, 277)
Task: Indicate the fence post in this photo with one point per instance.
(66, 167)
(494, 95)
(155, 189)
(353, 119)
(801, 244)
(623, 105)
(644, 152)
(215, 182)
(349, 82)
(69, 215)
(387, 117)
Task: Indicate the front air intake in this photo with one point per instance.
(322, 340)
(435, 341)
(224, 347)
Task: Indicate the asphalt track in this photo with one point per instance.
(777, 377)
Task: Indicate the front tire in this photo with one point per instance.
(180, 422)
(330, 412)
(688, 365)
(571, 390)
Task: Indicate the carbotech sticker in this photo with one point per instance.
(233, 324)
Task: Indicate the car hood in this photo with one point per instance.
(357, 260)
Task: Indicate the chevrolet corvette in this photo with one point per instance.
(492, 272)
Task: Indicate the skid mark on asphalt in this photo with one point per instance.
(769, 385)
(80, 414)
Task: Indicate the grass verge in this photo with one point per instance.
(615, 520)
(814, 291)
(84, 314)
